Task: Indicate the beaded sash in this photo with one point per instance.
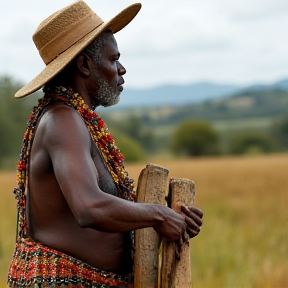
(36, 265)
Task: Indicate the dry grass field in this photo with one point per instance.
(243, 242)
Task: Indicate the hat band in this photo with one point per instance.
(69, 36)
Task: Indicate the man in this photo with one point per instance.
(76, 202)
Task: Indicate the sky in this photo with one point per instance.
(239, 42)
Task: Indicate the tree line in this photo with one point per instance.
(137, 139)
(13, 118)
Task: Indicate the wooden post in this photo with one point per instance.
(152, 188)
(176, 273)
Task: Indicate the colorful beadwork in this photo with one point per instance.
(35, 265)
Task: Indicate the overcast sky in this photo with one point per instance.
(169, 42)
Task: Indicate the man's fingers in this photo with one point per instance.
(190, 212)
(191, 232)
(192, 209)
(192, 224)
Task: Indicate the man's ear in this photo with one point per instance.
(82, 63)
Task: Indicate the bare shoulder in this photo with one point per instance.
(62, 125)
(59, 115)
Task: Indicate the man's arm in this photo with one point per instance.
(68, 144)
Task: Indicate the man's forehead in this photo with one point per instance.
(110, 44)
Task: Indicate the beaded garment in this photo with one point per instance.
(36, 265)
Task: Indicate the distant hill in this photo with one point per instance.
(271, 102)
(282, 85)
(178, 95)
(174, 94)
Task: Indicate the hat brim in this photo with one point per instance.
(58, 64)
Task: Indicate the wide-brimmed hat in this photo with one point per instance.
(61, 36)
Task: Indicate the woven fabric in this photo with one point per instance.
(35, 265)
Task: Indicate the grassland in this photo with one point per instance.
(243, 242)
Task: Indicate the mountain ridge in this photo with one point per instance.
(177, 95)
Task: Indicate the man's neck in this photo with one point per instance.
(81, 89)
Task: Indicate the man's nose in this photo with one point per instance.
(121, 69)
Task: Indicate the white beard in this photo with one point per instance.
(107, 94)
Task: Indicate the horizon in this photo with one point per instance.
(176, 84)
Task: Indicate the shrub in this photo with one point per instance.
(131, 150)
(251, 143)
(195, 138)
(280, 132)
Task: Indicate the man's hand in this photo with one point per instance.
(193, 218)
(173, 227)
(180, 227)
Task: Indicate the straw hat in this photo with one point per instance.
(61, 36)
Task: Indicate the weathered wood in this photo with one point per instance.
(176, 273)
(152, 188)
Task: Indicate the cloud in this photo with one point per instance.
(179, 41)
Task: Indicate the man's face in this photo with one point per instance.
(107, 74)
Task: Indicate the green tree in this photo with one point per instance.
(280, 132)
(195, 138)
(251, 143)
(135, 128)
(130, 148)
(13, 117)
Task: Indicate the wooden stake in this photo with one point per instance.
(152, 188)
(176, 273)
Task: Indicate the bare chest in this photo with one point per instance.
(105, 180)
